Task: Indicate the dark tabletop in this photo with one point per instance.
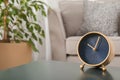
(52, 70)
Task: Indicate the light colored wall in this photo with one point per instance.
(45, 49)
(42, 51)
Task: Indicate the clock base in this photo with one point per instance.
(103, 68)
(82, 66)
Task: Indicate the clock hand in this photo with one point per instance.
(96, 43)
(90, 46)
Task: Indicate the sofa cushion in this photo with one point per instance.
(72, 42)
(101, 16)
(72, 15)
(115, 62)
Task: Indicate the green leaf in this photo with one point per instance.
(32, 45)
(41, 2)
(42, 33)
(15, 31)
(23, 16)
(38, 28)
(12, 1)
(11, 17)
(1, 1)
(34, 17)
(34, 36)
(30, 28)
(40, 41)
(26, 35)
(17, 1)
(1, 34)
(20, 35)
(20, 21)
(44, 13)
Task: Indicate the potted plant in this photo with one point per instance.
(18, 31)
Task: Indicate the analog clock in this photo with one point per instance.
(94, 49)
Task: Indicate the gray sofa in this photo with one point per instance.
(64, 19)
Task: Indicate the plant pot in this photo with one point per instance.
(14, 54)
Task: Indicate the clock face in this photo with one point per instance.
(93, 48)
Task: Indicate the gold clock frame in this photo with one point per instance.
(106, 61)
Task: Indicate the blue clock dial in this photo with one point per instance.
(93, 48)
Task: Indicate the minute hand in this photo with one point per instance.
(96, 43)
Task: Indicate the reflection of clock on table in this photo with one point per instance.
(95, 74)
(94, 49)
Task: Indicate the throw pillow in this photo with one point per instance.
(72, 15)
(102, 16)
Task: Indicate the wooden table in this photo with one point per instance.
(51, 70)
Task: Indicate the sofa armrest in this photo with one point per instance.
(57, 34)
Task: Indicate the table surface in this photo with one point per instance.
(52, 70)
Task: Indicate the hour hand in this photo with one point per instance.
(90, 46)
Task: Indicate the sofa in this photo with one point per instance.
(64, 19)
